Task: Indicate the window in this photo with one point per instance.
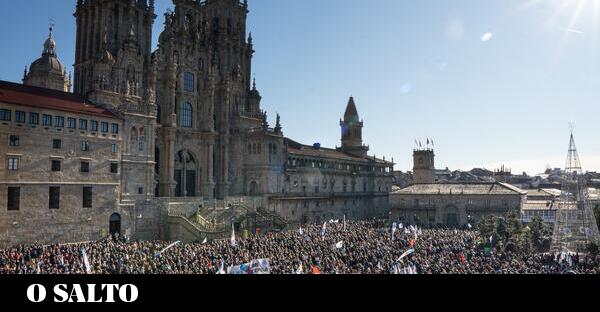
(46, 120)
(87, 197)
(59, 121)
(55, 165)
(14, 198)
(188, 82)
(83, 124)
(104, 127)
(114, 128)
(13, 140)
(141, 191)
(20, 117)
(5, 114)
(186, 115)
(114, 168)
(56, 144)
(71, 123)
(34, 118)
(54, 198)
(114, 148)
(85, 146)
(85, 167)
(93, 125)
(13, 164)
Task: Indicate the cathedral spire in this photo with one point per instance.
(351, 114)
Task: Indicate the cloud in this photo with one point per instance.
(573, 31)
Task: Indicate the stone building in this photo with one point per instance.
(190, 135)
(450, 204)
(454, 204)
(61, 166)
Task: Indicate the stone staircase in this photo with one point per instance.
(198, 219)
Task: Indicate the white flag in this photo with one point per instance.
(469, 226)
(300, 270)
(323, 230)
(401, 226)
(205, 240)
(406, 254)
(88, 270)
(233, 242)
(491, 239)
(301, 231)
(339, 245)
(222, 268)
(169, 247)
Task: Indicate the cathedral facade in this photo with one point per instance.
(186, 128)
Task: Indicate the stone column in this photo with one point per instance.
(209, 183)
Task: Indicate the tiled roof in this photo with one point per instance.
(295, 148)
(461, 189)
(19, 94)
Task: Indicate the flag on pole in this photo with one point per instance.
(233, 242)
(406, 254)
(168, 247)
(86, 262)
(205, 240)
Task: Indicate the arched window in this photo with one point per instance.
(187, 115)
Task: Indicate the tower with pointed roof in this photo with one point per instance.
(47, 71)
(352, 126)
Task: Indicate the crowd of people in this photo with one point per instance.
(337, 247)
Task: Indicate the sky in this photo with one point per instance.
(492, 83)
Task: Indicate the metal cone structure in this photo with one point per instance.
(575, 226)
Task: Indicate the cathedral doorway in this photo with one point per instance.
(186, 173)
(115, 224)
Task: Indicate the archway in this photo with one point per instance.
(253, 189)
(451, 216)
(115, 224)
(186, 170)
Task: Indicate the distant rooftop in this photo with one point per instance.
(461, 189)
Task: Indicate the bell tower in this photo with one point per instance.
(114, 68)
(113, 47)
(424, 166)
(351, 125)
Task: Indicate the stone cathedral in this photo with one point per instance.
(166, 144)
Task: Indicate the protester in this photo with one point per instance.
(363, 247)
